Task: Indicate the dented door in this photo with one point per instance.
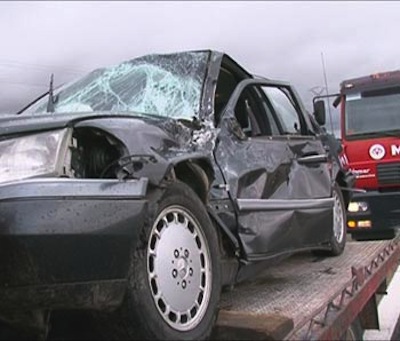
(278, 180)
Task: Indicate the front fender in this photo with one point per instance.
(154, 152)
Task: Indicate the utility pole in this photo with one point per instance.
(326, 88)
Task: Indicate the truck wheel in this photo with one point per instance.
(338, 240)
(174, 285)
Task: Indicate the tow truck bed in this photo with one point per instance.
(310, 297)
(302, 298)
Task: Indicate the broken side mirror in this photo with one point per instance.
(319, 112)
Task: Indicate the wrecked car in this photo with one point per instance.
(144, 188)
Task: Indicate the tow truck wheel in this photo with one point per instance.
(175, 276)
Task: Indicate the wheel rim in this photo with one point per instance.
(338, 221)
(179, 268)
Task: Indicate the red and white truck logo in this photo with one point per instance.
(377, 151)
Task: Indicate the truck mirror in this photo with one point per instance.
(319, 112)
(336, 102)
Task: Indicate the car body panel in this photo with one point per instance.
(64, 230)
(282, 200)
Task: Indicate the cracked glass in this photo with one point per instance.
(167, 85)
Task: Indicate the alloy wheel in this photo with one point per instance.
(179, 268)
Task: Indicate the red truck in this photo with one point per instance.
(370, 136)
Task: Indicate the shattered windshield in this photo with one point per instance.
(372, 112)
(162, 85)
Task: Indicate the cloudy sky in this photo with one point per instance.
(281, 40)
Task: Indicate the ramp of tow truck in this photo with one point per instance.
(307, 296)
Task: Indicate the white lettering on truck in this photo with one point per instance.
(395, 150)
(362, 173)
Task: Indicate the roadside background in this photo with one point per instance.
(286, 40)
(389, 313)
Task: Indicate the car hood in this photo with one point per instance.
(11, 125)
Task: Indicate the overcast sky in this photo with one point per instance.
(280, 40)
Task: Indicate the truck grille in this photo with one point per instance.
(389, 173)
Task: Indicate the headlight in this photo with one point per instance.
(32, 155)
(358, 206)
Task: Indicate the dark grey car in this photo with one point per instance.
(147, 186)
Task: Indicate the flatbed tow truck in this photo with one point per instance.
(305, 297)
(308, 297)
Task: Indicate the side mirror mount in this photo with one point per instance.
(319, 112)
(234, 128)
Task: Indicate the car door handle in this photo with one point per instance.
(319, 158)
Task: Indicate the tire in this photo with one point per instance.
(174, 284)
(338, 239)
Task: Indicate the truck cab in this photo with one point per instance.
(370, 135)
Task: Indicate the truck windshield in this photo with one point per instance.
(372, 112)
(161, 85)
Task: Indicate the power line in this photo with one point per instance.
(317, 90)
(28, 84)
(24, 84)
(41, 67)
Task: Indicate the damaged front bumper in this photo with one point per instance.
(65, 243)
